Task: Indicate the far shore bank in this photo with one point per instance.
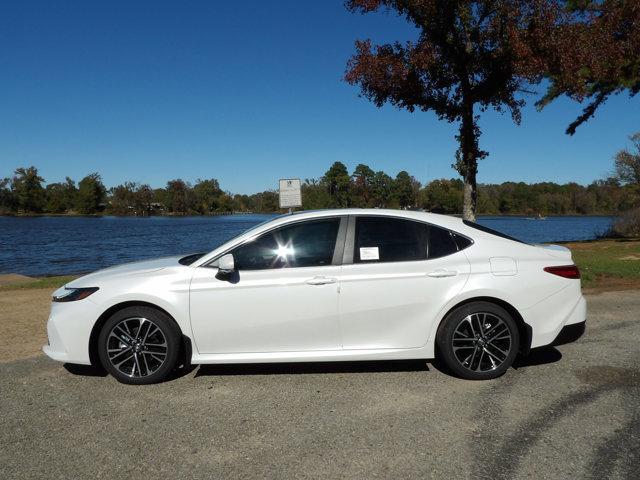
(164, 215)
(279, 212)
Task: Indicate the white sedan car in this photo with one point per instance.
(329, 285)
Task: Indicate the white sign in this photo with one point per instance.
(290, 194)
(369, 253)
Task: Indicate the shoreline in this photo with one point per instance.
(6, 275)
(606, 264)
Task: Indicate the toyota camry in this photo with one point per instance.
(335, 285)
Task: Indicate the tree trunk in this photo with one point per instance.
(468, 161)
(469, 199)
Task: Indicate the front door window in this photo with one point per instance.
(306, 244)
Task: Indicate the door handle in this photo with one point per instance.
(440, 273)
(321, 280)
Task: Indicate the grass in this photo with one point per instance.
(44, 282)
(608, 264)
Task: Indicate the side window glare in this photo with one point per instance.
(304, 244)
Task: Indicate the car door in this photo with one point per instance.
(282, 298)
(396, 277)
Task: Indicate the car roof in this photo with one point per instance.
(438, 219)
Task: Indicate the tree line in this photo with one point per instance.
(467, 57)
(26, 193)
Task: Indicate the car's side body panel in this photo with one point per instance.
(263, 312)
(393, 305)
(340, 355)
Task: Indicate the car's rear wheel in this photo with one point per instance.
(478, 341)
(139, 345)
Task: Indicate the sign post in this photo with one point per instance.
(290, 193)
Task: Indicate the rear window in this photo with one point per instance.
(490, 231)
(441, 242)
(462, 242)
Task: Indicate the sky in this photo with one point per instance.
(246, 92)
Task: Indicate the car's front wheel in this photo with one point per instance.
(139, 345)
(478, 341)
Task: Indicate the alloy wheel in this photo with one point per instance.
(137, 347)
(482, 342)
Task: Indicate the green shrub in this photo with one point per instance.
(628, 225)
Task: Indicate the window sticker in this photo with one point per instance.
(369, 253)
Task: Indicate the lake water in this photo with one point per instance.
(68, 245)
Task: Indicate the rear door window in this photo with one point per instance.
(383, 239)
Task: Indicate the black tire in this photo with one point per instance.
(478, 355)
(148, 341)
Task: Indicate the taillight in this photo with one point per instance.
(566, 271)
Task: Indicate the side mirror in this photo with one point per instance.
(226, 264)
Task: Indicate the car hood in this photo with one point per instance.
(126, 270)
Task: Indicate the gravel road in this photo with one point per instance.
(565, 412)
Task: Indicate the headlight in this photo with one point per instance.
(73, 294)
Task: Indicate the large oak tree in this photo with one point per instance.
(469, 56)
(593, 53)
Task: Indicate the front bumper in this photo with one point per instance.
(69, 330)
(52, 353)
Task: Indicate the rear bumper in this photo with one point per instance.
(548, 318)
(570, 333)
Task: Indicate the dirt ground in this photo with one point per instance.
(13, 278)
(563, 412)
(23, 323)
